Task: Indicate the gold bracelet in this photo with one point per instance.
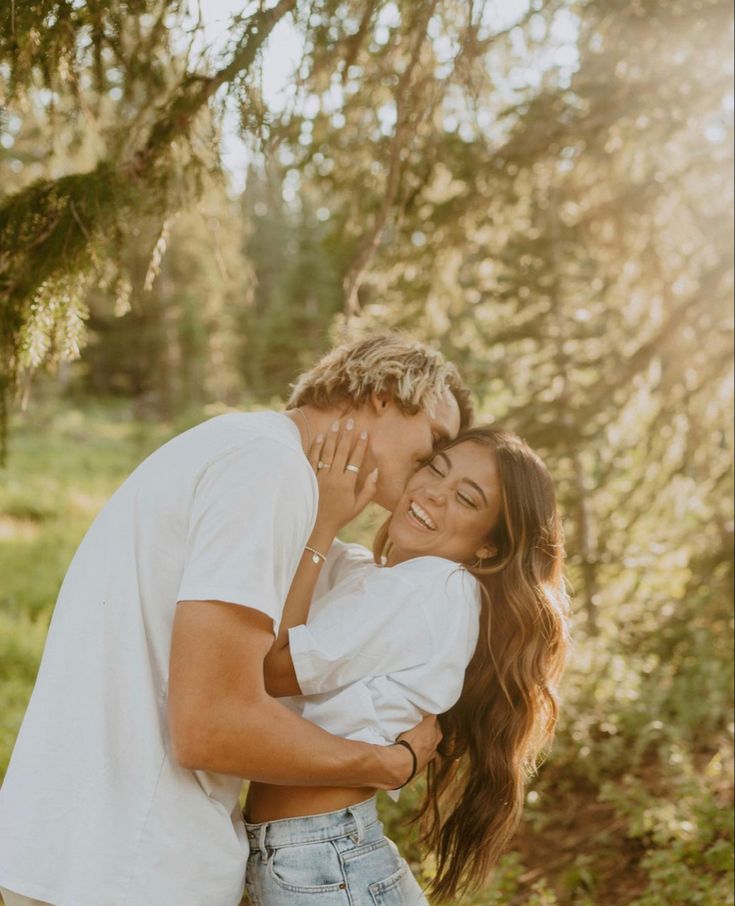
(316, 556)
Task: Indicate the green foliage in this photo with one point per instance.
(42, 309)
(59, 231)
(47, 40)
(686, 829)
(297, 290)
(176, 342)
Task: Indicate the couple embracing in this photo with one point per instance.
(211, 627)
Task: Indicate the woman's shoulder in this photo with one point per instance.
(450, 598)
(342, 560)
(429, 567)
(439, 579)
(343, 554)
(350, 549)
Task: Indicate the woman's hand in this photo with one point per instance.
(344, 491)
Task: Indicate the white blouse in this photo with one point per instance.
(383, 646)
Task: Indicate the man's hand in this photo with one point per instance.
(423, 739)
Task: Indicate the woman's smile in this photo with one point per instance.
(418, 517)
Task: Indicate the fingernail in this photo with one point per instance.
(350, 424)
(363, 435)
(320, 438)
(335, 426)
(374, 473)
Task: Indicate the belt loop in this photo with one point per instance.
(359, 834)
(262, 830)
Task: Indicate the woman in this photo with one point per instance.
(467, 570)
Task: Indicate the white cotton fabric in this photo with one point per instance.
(94, 811)
(383, 646)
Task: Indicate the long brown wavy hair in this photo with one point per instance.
(506, 713)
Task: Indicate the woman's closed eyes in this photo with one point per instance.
(463, 498)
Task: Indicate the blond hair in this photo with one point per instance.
(415, 376)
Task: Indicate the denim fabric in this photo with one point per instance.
(339, 858)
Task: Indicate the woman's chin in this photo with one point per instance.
(410, 546)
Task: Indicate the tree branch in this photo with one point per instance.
(51, 231)
(401, 135)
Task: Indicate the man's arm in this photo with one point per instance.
(221, 719)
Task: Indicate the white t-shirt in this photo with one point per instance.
(383, 646)
(94, 810)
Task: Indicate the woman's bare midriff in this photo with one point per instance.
(266, 802)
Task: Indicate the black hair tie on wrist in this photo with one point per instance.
(406, 745)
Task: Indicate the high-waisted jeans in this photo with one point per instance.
(339, 858)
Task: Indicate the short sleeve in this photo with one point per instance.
(454, 609)
(376, 629)
(452, 604)
(251, 515)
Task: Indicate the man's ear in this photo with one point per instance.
(379, 402)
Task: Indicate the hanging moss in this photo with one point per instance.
(55, 236)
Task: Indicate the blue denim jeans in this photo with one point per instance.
(339, 858)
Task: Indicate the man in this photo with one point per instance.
(150, 704)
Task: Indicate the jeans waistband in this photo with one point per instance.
(314, 828)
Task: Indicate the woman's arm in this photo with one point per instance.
(280, 677)
(341, 497)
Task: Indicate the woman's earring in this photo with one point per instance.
(482, 555)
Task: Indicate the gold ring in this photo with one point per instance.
(352, 468)
(323, 465)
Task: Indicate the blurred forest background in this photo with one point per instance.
(197, 199)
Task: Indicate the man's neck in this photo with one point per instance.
(312, 421)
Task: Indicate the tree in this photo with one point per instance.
(55, 232)
(572, 253)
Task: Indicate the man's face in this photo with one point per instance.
(399, 443)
